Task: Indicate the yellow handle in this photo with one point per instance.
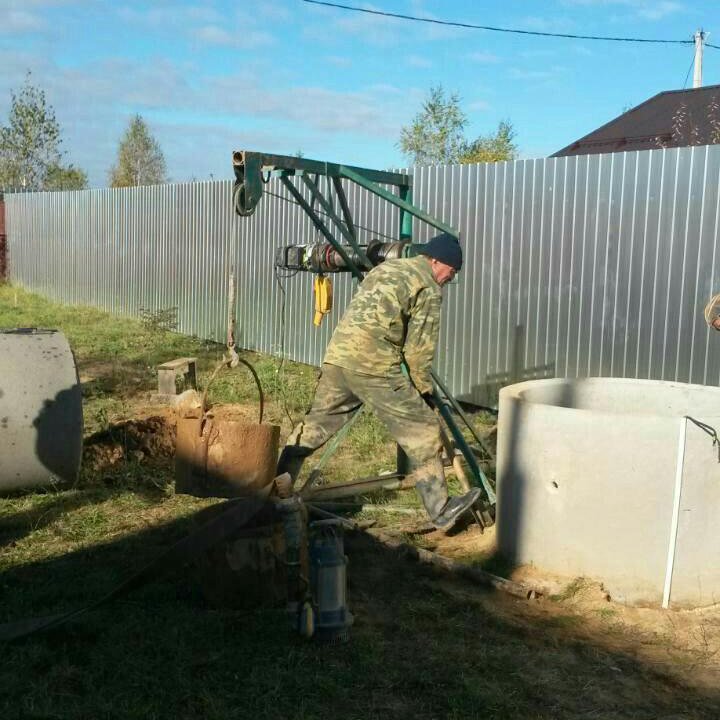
(322, 288)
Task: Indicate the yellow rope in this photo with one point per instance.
(711, 309)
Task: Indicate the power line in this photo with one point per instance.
(498, 29)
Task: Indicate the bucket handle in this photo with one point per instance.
(230, 363)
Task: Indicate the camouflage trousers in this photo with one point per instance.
(393, 398)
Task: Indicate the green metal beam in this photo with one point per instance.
(332, 446)
(465, 449)
(458, 409)
(405, 216)
(350, 174)
(340, 192)
(265, 162)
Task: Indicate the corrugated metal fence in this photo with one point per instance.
(577, 266)
(3, 240)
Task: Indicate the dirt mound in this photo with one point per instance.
(140, 439)
(234, 412)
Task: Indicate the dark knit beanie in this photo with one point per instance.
(444, 248)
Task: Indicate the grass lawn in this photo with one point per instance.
(424, 645)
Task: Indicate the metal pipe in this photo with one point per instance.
(462, 445)
(458, 409)
(320, 225)
(347, 214)
(326, 515)
(405, 217)
(331, 448)
(357, 487)
(330, 212)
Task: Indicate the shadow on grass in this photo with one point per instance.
(423, 646)
(48, 507)
(56, 503)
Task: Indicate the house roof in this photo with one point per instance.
(656, 123)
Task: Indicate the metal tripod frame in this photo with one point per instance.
(252, 170)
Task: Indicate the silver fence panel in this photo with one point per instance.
(575, 266)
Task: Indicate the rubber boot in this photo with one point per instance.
(291, 460)
(444, 512)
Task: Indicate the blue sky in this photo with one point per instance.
(282, 75)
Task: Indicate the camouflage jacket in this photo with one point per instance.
(394, 315)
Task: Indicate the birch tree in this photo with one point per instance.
(140, 161)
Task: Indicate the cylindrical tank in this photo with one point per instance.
(41, 420)
(613, 479)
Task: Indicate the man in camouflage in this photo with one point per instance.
(393, 319)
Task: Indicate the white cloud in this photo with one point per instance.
(26, 16)
(39, 4)
(203, 23)
(658, 10)
(94, 102)
(373, 111)
(546, 24)
(483, 57)
(277, 11)
(551, 73)
(479, 106)
(388, 89)
(216, 35)
(379, 30)
(433, 31)
(373, 29)
(339, 61)
(537, 53)
(188, 159)
(418, 61)
(646, 9)
(170, 16)
(15, 21)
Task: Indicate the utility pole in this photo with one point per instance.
(699, 42)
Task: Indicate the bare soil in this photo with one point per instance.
(685, 644)
(139, 439)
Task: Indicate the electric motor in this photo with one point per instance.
(324, 258)
(328, 580)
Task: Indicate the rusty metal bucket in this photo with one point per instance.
(222, 454)
(219, 457)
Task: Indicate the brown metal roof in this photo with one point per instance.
(674, 118)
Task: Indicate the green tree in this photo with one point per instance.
(140, 161)
(436, 132)
(491, 148)
(436, 135)
(30, 155)
(65, 178)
